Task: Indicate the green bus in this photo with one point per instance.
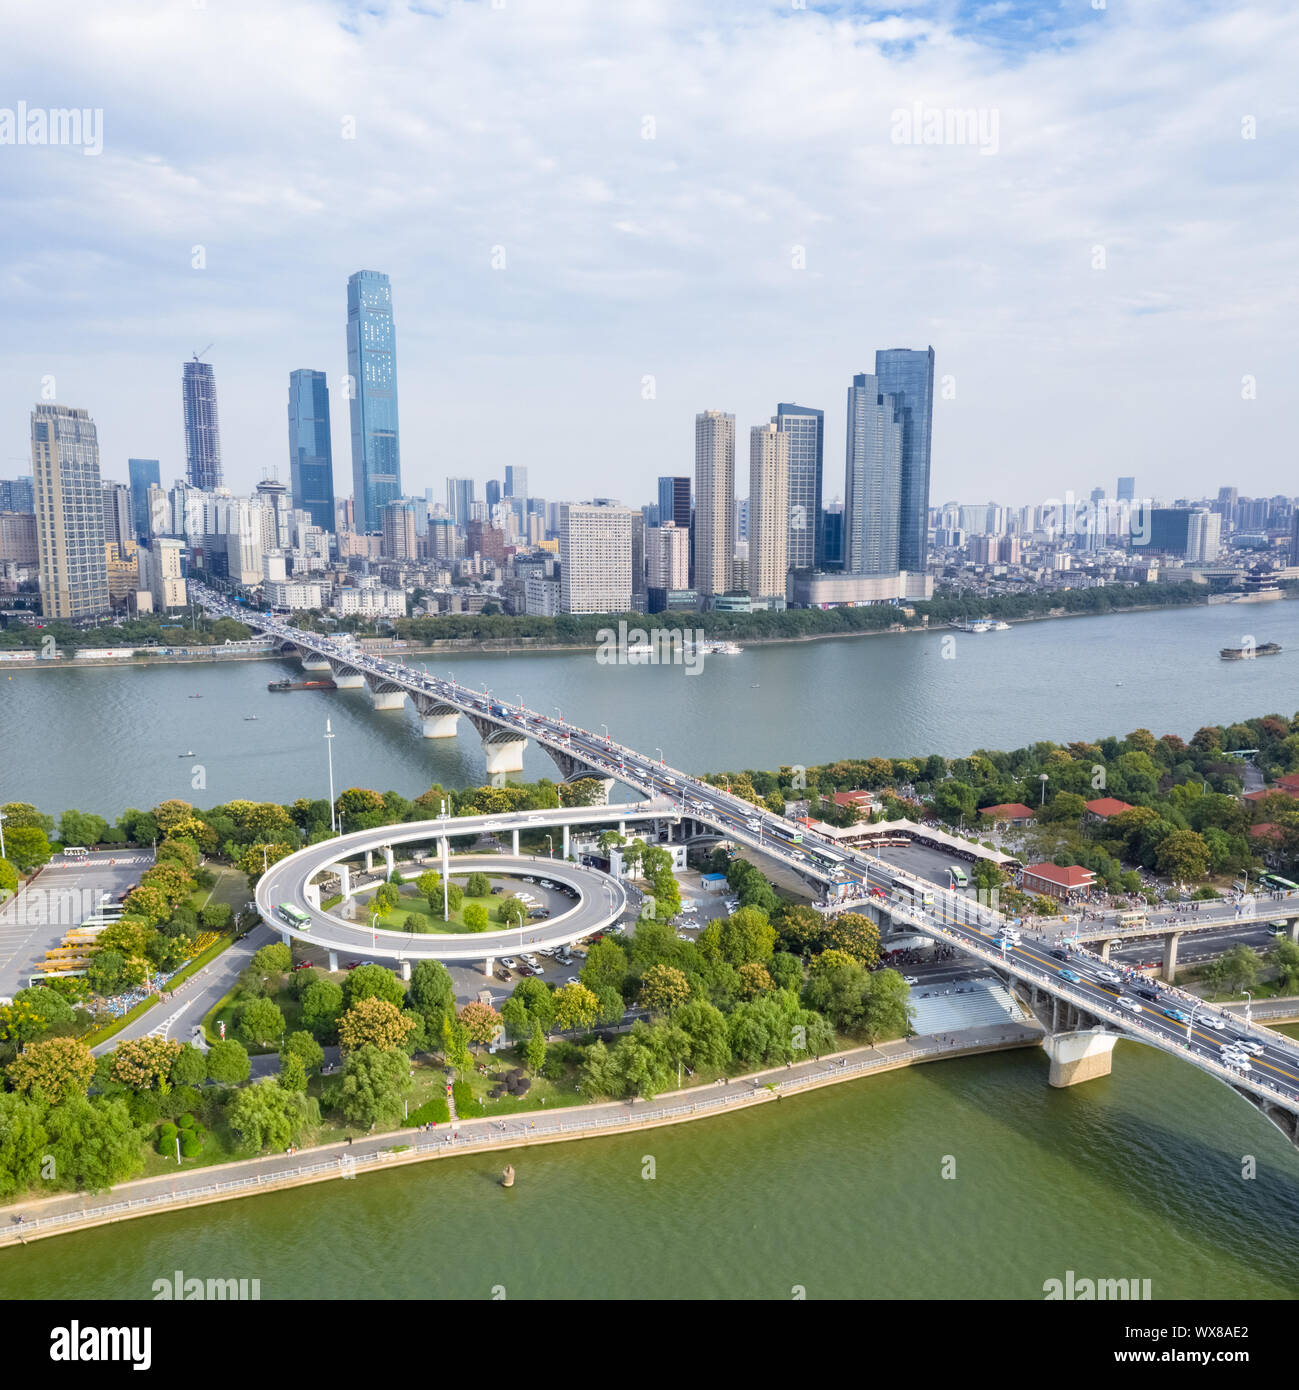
(956, 878)
(295, 917)
(1282, 885)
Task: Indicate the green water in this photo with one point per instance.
(1137, 1175)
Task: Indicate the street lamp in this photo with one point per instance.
(3, 818)
(1190, 1022)
(559, 712)
(329, 748)
(605, 727)
(551, 843)
(1249, 1000)
(1043, 778)
(659, 751)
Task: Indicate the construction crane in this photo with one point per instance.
(197, 355)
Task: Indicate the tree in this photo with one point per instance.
(478, 885)
(23, 1143)
(663, 988)
(534, 1050)
(260, 1022)
(475, 916)
(429, 885)
(53, 1069)
(518, 1022)
(705, 1028)
(432, 993)
(373, 1022)
(143, 1063)
(275, 958)
(754, 978)
(1237, 969)
(189, 1067)
(266, 1115)
(8, 877)
(480, 1021)
(227, 1062)
(27, 847)
(1183, 856)
(376, 981)
(322, 1002)
(511, 911)
(745, 935)
(373, 1084)
(606, 965)
(539, 1000)
(305, 1048)
(800, 928)
(94, 1144)
(856, 935)
(293, 1073)
(575, 1008)
(82, 828)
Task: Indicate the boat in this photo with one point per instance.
(302, 685)
(247, 717)
(1245, 653)
(195, 697)
(190, 754)
(983, 625)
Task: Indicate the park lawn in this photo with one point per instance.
(414, 904)
(555, 1093)
(225, 1009)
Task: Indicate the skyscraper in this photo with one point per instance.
(595, 549)
(144, 474)
(714, 501)
(372, 369)
(516, 481)
(493, 493)
(460, 499)
(1127, 489)
(17, 494)
(69, 513)
(674, 502)
(202, 428)
(398, 522)
(311, 452)
(768, 514)
(907, 375)
(119, 528)
(805, 429)
(873, 504)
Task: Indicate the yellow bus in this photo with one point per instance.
(1128, 920)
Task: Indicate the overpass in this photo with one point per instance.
(1090, 1004)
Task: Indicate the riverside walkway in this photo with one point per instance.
(224, 1182)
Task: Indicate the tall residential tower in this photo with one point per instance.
(202, 428)
(714, 501)
(372, 369)
(69, 513)
(907, 375)
(311, 454)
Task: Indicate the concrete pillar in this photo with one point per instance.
(285, 937)
(440, 725)
(405, 970)
(515, 834)
(565, 849)
(504, 755)
(1055, 1012)
(488, 966)
(1170, 955)
(1079, 1057)
(387, 699)
(369, 861)
(622, 828)
(312, 662)
(333, 960)
(1105, 950)
(312, 894)
(346, 677)
(388, 859)
(344, 879)
(1294, 928)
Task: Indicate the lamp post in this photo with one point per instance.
(3, 818)
(1043, 777)
(559, 712)
(659, 751)
(605, 727)
(329, 749)
(1249, 1000)
(551, 843)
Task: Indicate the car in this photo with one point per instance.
(546, 883)
(1278, 929)
(509, 962)
(528, 878)
(1011, 934)
(1058, 954)
(502, 973)
(1177, 1015)
(537, 913)
(532, 961)
(1109, 977)
(1071, 976)
(573, 980)
(496, 888)
(1130, 1005)
(304, 965)
(910, 980)
(352, 964)
(1238, 1062)
(682, 936)
(1248, 1045)
(1147, 992)
(1218, 1024)
(1003, 943)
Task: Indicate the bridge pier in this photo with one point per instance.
(388, 859)
(344, 879)
(489, 965)
(333, 961)
(504, 753)
(286, 938)
(1170, 956)
(369, 861)
(391, 698)
(1079, 1057)
(565, 849)
(312, 662)
(515, 833)
(405, 970)
(346, 677)
(437, 718)
(1105, 950)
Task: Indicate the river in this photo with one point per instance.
(104, 739)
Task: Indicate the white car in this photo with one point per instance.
(1109, 977)
(573, 980)
(1251, 1046)
(1237, 1060)
(1130, 1005)
(1218, 1025)
(509, 963)
(910, 980)
(532, 961)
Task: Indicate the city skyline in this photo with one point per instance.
(624, 257)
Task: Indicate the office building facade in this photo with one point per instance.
(372, 370)
(311, 451)
(516, 481)
(873, 482)
(595, 556)
(69, 513)
(768, 531)
(804, 428)
(907, 375)
(714, 501)
(142, 474)
(202, 426)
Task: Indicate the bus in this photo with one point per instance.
(75, 852)
(295, 917)
(956, 878)
(1127, 920)
(1275, 881)
(920, 896)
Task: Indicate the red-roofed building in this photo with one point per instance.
(1012, 812)
(1057, 880)
(1104, 807)
(863, 799)
(1288, 781)
(1276, 789)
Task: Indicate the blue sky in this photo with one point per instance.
(775, 230)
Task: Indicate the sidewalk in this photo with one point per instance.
(195, 1187)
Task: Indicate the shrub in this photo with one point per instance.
(190, 1144)
(186, 1121)
(435, 1110)
(467, 1108)
(145, 1107)
(166, 1142)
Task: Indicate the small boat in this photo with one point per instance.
(195, 697)
(247, 717)
(1246, 653)
(754, 686)
(190, 754)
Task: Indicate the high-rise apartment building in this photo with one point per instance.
(143, 474)
(372, 370)
(486, 541)
(460, 500)
(69, 513)
(674, 502)
(202, 427)
(595, 547)
(397, 520)
(17, 495)
(516, 481)
(907, 375)
(18, 537)
(873, 504)
(667, 558)
(493, 493)
(714, 501)
(311, 452)
(768, 535)
(804, 427)
(119, 528)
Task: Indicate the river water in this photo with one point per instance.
(1138, 1175)
(102, 740)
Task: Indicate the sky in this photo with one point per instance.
(602, 216)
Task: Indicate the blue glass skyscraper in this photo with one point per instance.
(144, 474)
(806, 430)
(907, 374)
(872, 510)
(372, 367)
(311, 454)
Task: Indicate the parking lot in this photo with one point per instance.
(62, 896)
